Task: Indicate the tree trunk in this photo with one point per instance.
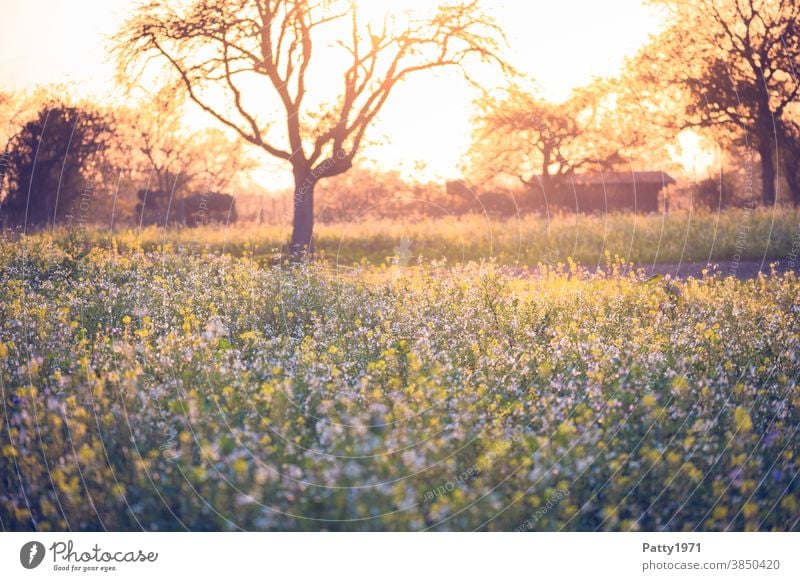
(303, 221)
(766, 150)
(793, 179)
(791, 164)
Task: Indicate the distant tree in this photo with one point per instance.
(251, 63)
(19, 107)
(362, 192)
(369, 192)
(735, 60)
(7, 115)
(16, 109)
(5, 141)
(12, 118)
(168, 160)
(790, 155)
(170, 156)
(539, 142)
(720, 192)
(205, 207)
(53, 163)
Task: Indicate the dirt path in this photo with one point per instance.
(743, 269)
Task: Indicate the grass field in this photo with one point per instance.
(165, 390)
(587, 239)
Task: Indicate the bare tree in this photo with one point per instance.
(248, 63)
(171, 157)
(540, 142)
(735, 59)
(789, 132)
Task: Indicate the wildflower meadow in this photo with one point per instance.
(183, 389)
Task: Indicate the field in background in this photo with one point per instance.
(644, 239)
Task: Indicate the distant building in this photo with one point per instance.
(605, 192)
(159, 208)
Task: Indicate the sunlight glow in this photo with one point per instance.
(425, 130)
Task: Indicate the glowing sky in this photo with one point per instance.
(563, 43)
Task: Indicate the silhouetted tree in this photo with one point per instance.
(789, 135)
(735, 59)
(258, 56)
(539, 142)
(722, 191)
(52, 165)
(168, 156)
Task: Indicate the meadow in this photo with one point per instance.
(754, 234)
(158, 388)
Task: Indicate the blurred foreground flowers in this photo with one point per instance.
(168, 391)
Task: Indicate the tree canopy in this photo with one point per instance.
(252, 65)
(53, 163)
(735, 60)
(520, 134)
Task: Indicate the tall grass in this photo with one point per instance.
(526, 241)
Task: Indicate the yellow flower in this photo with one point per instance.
(742, 418)
(649, 401)
(239, 466)
(720, 512)
(86, 454)
(790, 503)
(750, 509)
(679, 384)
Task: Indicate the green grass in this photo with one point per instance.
(643, 239)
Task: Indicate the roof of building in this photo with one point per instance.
(624, 177)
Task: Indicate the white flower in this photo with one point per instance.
(215, 328)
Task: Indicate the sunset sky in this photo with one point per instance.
(562, 44)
